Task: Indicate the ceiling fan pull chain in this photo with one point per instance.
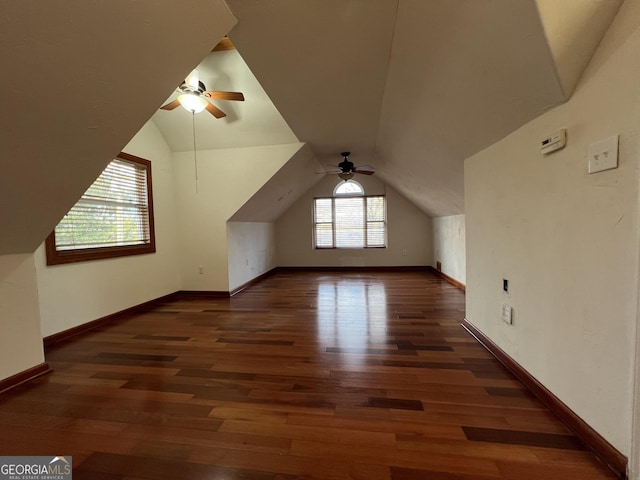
(195, 152)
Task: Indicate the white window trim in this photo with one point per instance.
(366, 223)
(337, 193)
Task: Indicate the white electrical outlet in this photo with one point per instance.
(603, 155)
(506, 313)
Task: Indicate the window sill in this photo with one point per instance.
(55, 257)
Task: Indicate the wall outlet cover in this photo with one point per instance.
(506, 313)
(603, 155)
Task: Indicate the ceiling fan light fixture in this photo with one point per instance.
(345, 175)
(192, 102)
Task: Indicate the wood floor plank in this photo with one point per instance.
(393, 457)
(398, 427)
(304, 375)
(421, 443)
(519, 437)
(337, 436)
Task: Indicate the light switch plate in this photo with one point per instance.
(505, 313)
(603, 155)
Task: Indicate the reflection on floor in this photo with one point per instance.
(302, 376)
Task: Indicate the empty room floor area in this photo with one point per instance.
(304, 375)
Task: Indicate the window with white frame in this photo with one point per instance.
(113, 218)
(348, 188)
(350, 219)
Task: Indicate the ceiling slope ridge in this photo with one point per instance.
(574, 30)
(323, 65)
(374, 153)
(295, 176)
(462, 76)
(240, 148)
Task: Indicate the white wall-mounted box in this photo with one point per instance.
(553, 142)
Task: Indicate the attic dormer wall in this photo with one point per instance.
(226, 180)
(449, 246)
(76, 293)
(21, 338)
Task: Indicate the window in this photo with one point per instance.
(113, 218)
(348, 188)
(350, 222)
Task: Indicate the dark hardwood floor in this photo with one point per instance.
(303, 376)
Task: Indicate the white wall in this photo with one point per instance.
(20, 336)
(227, 178)
(634, 464)
(449, 246)
(567, 241)
(407, 229)
(251, 251)
(76, 293)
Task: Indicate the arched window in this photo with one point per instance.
(348, 188)
(349, 219)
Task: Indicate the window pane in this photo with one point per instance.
(350, 187)
(91, 225)
(349, 222)
(324, 235)
(113, 218)
(112, 212)
(323, 210)
(375, 234)
(375, 209)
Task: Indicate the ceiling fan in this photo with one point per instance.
(347, 168)
(194, 97)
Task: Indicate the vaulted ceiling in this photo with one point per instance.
(411, 86)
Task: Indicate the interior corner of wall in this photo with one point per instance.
(574, 30)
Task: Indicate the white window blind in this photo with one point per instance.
(113, 212)
(350, 222)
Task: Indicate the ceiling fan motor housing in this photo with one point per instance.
(346, 166)
(348, 169)
(188, 88)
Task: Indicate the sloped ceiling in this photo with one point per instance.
(323, 64)
(416, 86)
(298, 175)
(462, 75)
(79, 80)
(254, 122)
(411, 86)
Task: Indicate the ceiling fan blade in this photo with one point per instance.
(332, 172)
(364, 169)
(215, 111)
(170, 105)
(225, 95)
